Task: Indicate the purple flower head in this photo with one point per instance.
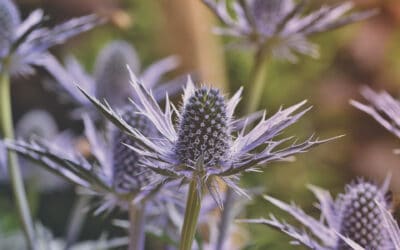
(110, 80)
(208, 143)
(353, 219)
(281, 25)
(115, 173)
(24, 44)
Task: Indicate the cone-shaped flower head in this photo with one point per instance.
(111, 76)
(128, 174)
(383, 108)
(24, 44)
(280, 25)
(354, 219)
(204, 129)
(361, 218)
(207, 142)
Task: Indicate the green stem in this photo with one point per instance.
(257, 80)
(7, 131)
(192, 211)
(137, 226)
(76, 220)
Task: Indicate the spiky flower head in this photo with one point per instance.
(24, 44)
(204, 129)
(111, 76)
(128, 174)
(281, 25)
(354, 218)
(382, 107)
(208, 143)
(361, 218)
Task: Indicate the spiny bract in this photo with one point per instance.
(353, 219)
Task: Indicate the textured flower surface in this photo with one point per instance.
(352, 221)
(24, 44)
(114, 175)
(282, 25)
(207, 142)
(383, 108)
(110, 80)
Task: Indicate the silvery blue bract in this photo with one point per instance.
(352, 220)
(383, 108)
(24, 44)
(281, 25)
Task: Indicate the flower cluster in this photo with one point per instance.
(353, 219)
(207, 143)
(282, 25)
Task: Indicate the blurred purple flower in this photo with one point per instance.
(382, 107)
(24, 44)
(114, 174)
(354, 218)
(281, 25)
(110, 80)
(207, 143)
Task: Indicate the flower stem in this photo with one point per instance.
(257, 80)
(7, 132)
(192, 211)
(137, 226)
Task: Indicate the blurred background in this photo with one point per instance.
(367, 53)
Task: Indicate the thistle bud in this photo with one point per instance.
(203, 129)
(111, 74)
(9, 20)
(361, 219)
(267, 13)
(128, 175)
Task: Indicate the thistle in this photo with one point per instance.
(206, 145)
(354, 218)
(383, 108)
(110, 80)
(281, 25)
(24, 44)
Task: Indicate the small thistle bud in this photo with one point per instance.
(203, 129)
(128, 176)
(9, 20)
(361, 217)
(111, 75)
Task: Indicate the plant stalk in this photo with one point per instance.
(137, 226)
(7, 132)
(226, 218)
(257, 80)
(192, 211)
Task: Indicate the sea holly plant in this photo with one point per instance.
(206, 144)
(278, 28)
(352, 221)
(116, 176)
(24, 45)
(382, 107)
(110, 79)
